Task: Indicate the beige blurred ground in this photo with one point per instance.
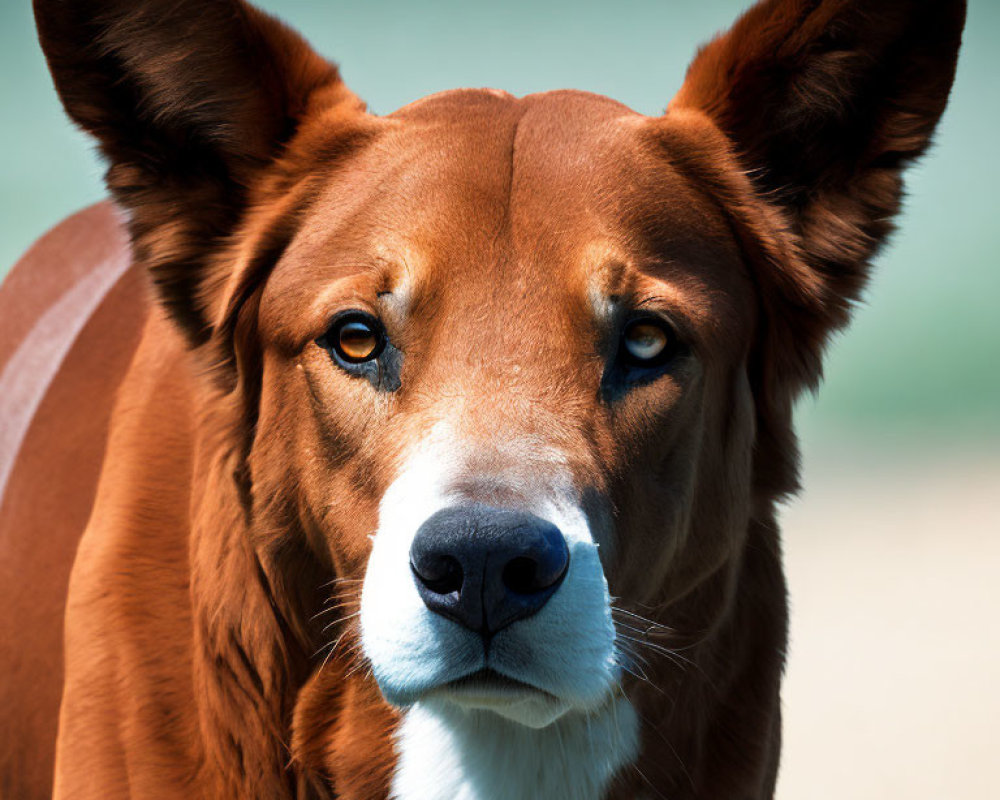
(893, 683)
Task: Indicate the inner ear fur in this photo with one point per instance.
(190, 101)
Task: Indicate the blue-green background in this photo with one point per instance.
(920, 365)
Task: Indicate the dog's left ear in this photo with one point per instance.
(824, 103)
(190, 102)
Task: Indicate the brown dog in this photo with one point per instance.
(444, 463)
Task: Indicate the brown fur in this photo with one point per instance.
(242, 472)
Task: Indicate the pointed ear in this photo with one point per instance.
(821, 105)
(190, 101)
(825, 102)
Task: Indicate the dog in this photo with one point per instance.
(433, 455)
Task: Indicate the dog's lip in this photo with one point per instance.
(487, 687)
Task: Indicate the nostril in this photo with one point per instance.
(521, 575)
(540, 564)
(441, 575)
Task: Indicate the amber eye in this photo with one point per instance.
(355, 338)
(647, 341)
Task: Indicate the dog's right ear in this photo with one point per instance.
(189, 100)
(823, 104)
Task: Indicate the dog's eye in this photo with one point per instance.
(647, 342)
(355, 337)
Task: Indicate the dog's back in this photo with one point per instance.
(70, 314)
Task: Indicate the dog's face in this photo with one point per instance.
(501, 313)
(503, 366)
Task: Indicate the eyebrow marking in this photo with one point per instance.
(605, 285)
(396, 283)
(395, 301)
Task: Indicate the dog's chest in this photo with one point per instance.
(450, 754)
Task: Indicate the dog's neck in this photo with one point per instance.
(449, 753)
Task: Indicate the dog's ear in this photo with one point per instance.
(189, 100)
(825, 102)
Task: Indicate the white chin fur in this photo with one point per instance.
(449, 753)
(532, 711)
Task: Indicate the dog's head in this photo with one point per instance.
(505, 366)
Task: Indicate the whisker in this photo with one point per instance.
(640, 618)
(335, 581)
(648, 782)
(330, 609)
(667, 742)
(653, 646)
(339, 620)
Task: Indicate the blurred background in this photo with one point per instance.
(893, 547)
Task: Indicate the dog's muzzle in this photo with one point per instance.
(456, 590)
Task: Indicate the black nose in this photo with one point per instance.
(487, 567)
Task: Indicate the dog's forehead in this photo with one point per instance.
(470, 107)
(547, 161)
(558, 196)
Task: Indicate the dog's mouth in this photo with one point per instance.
(488, 690)
(489, 685)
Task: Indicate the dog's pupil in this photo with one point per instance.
(357, 340)
(645, 340)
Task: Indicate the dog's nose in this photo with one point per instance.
(487, 567)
